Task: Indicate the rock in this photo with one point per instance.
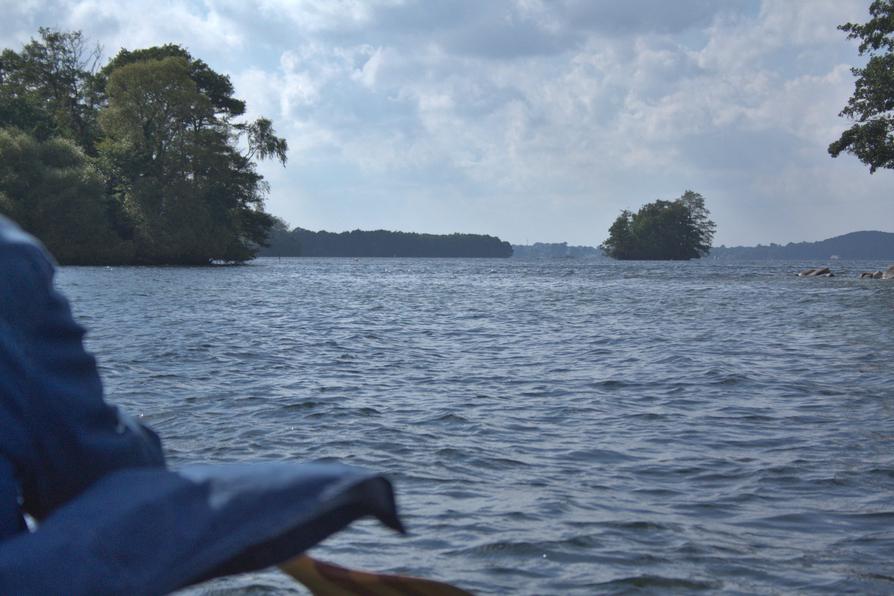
(888, 274)
(821, 272)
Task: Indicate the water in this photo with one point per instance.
(564, 426)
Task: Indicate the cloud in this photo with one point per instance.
(637, 17)
(528, 118)
(133, 24)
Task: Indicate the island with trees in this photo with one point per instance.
(675, 230)
(145, 160)
(381, 243)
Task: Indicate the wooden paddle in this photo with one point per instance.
(326, 579)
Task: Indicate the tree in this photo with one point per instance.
(49, 88)
(215, 87)
(171, 151)
(871, 107)
(621, 242)
(262, 141)
(53, 191)
(663, 230)
(167, 164)
(698, 229)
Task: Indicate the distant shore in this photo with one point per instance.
(382, 243)
(868, 245)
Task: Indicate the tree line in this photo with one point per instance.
(146, 159)
(381, 243)
(854, 245)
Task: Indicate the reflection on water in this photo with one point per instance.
(565, 426)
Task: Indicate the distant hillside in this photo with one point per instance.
(553, 250)
(856, 245)
(381, 243)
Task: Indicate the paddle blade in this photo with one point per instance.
(326, 579)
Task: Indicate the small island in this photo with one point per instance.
(676, 230)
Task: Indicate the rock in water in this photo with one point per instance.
(821, 272)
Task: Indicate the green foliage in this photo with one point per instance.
(192, 196)
(263, 142)
(48, 89)
(621, 242)
(664, 230)
(871, 107)
(214, 86)
(163, 168)
(52, 190)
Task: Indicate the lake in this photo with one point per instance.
(562, 426)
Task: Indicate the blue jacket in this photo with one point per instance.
(111, 518)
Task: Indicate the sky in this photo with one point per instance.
(531, 120)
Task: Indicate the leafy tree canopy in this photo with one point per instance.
(216, 87)
(52, 189)
(193, 196)
(156, 150)
(871, 107)
(664, 230)
(48, 89)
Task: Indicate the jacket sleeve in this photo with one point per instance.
(58, 433)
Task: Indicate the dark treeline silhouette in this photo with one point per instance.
(856, 245)
(381, 243)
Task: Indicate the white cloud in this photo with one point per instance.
(530, 107)
(367, 73)
(322, 15)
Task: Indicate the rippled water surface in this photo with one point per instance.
(552, 427)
